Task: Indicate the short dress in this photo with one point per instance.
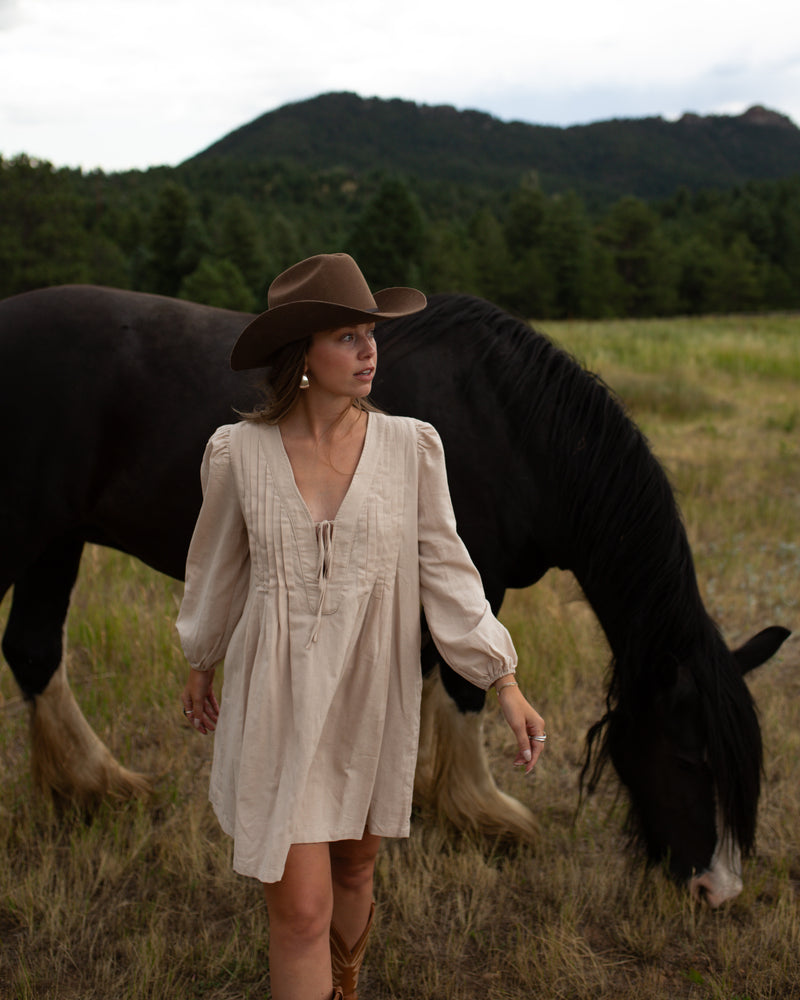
(319, 628)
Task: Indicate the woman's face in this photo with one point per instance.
(342, 362)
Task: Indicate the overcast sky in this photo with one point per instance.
(118, 84)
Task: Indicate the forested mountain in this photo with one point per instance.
(649, 157)
(622, 218)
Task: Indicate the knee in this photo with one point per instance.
(302, 920)
(353, 869)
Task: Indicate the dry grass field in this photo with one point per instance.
(140, 902)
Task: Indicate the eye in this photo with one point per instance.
(347, 337)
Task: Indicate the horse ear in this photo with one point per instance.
(761, 647)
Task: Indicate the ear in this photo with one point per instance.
(761, 647)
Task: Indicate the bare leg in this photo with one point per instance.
(300, 908)
(352, 870)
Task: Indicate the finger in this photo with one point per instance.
(194, 716)
(530, 752)
(538, 738)
(524, 752)
(536, 753)
(529, 763)
(527, 758)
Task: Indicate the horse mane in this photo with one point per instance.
(621, 533)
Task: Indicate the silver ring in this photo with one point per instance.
(540, 739)
(187, 711)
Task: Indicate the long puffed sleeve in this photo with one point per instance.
(461, 621)
(218, 562)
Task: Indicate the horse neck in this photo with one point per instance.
(627, 544)
(647, 601)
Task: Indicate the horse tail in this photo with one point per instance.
(453, 775)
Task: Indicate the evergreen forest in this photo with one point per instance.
(218, 227)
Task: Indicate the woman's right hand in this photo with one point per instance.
(199, 701)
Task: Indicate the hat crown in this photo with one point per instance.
(327, 277)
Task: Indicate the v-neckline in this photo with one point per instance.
(351, 488)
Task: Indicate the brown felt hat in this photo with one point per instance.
(317, 294)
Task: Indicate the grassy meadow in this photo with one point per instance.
(140, 902)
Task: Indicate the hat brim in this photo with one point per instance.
(282, 325)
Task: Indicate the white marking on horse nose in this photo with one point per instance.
(715, 887)
(723, 879)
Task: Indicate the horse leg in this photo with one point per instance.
(68, 759)
(453, 772)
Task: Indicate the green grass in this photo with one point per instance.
(743, 346)
(140, 902)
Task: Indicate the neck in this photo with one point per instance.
(318, 418)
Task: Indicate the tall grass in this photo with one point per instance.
(140, 901)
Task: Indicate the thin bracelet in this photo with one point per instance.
(508, 684)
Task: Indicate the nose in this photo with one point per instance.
(723, 878)
(367, 348)
(715, 888)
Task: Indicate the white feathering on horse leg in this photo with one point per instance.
(453, 775)
(68, 758)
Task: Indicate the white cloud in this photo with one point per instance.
(9, 14)
(121, 83)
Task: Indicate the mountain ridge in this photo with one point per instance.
(647, 157)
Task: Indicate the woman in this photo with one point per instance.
(324, 525)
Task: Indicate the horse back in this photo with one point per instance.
(107, 398)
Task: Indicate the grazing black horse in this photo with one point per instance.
(107, 399)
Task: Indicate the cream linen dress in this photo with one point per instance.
(319, 627)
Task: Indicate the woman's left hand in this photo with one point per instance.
(526, 723)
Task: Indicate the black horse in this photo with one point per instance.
(107, 400)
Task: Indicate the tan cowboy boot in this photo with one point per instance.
(346, 964)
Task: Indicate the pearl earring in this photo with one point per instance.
(304, 383)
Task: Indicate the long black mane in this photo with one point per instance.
(613, 520)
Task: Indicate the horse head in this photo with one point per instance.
(688, 750)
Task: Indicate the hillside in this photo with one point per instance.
(623, 221)
(648, 157)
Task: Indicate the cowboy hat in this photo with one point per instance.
(320, 293)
